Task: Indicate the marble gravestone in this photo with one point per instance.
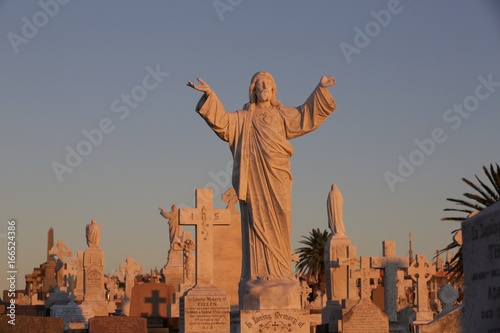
(151, 300)
(205, 307)
(118, 324)
(481, 260)
(129, 268)
(422, 271)
(93, 271)
(74, 315)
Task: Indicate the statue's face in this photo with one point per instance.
(263, 89)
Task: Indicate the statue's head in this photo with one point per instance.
(258, 79)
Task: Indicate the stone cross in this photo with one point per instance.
(390, 263)
(204, 217)
(230, 198)
(130, 268)
(350, 263)
(62, 252)
(422, 271)
(365, 273)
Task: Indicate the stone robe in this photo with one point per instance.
(262, 179)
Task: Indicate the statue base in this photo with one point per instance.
(280, 294)
(280, 321)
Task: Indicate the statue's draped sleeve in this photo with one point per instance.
(310, 115)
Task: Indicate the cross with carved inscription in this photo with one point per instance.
(365, 273)
(390, 263)
(422, 271)
(204, 217)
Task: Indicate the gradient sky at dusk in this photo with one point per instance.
(403, 70)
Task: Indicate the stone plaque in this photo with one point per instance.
(365, 317)
(205, 308)
(151, 300)
(481, 260)
(29, 324)
(280, 321)
(118, 324)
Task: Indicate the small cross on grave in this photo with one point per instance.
(230, 198)
(390, 263)
(422, 271)
(155, 301)
(204, 217)
(351, 264)
(365, 273)
(62, 253)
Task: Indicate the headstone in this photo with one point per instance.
(422, 271)
(205, 218)
(129, 268)
(365, 317)
(451, 322)
(74, 315)
(118, 324)
(205, 308)
(151, 300)
(481, 261)
(390, 263)
(228, 253)
(29, 324)
(447, 295)
(93, 271)
(61, 253)
(366, 276)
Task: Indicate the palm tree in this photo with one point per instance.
(311, 264)
(485, 196)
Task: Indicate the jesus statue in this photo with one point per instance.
(258, 138)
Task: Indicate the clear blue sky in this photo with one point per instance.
(400, 69)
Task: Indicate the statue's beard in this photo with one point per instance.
(264, 95)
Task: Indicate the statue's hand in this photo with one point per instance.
(203, 87)
(327, 81)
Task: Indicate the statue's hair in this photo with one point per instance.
(250, 106)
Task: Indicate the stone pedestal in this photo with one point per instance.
(269, 295)
(93, 281)
(204, 308)
(280, 321)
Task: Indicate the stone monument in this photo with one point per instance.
(205, 307)
(340, 259)
(129, 268)
(481, 260)
(422, 271)
(258, 138)
(93, 271)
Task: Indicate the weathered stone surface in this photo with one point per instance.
(452, 322)
(118, 324)
(72, 313)
(28, 324)
(151, 300)
(481, 260)
(365, 317)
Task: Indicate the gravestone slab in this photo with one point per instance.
(29, 324)
(205, 308)
(452, 322)
(481, 260)
(74, 315)
(280, 321)
(118, 324)
(365, 317)
(151, 300)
